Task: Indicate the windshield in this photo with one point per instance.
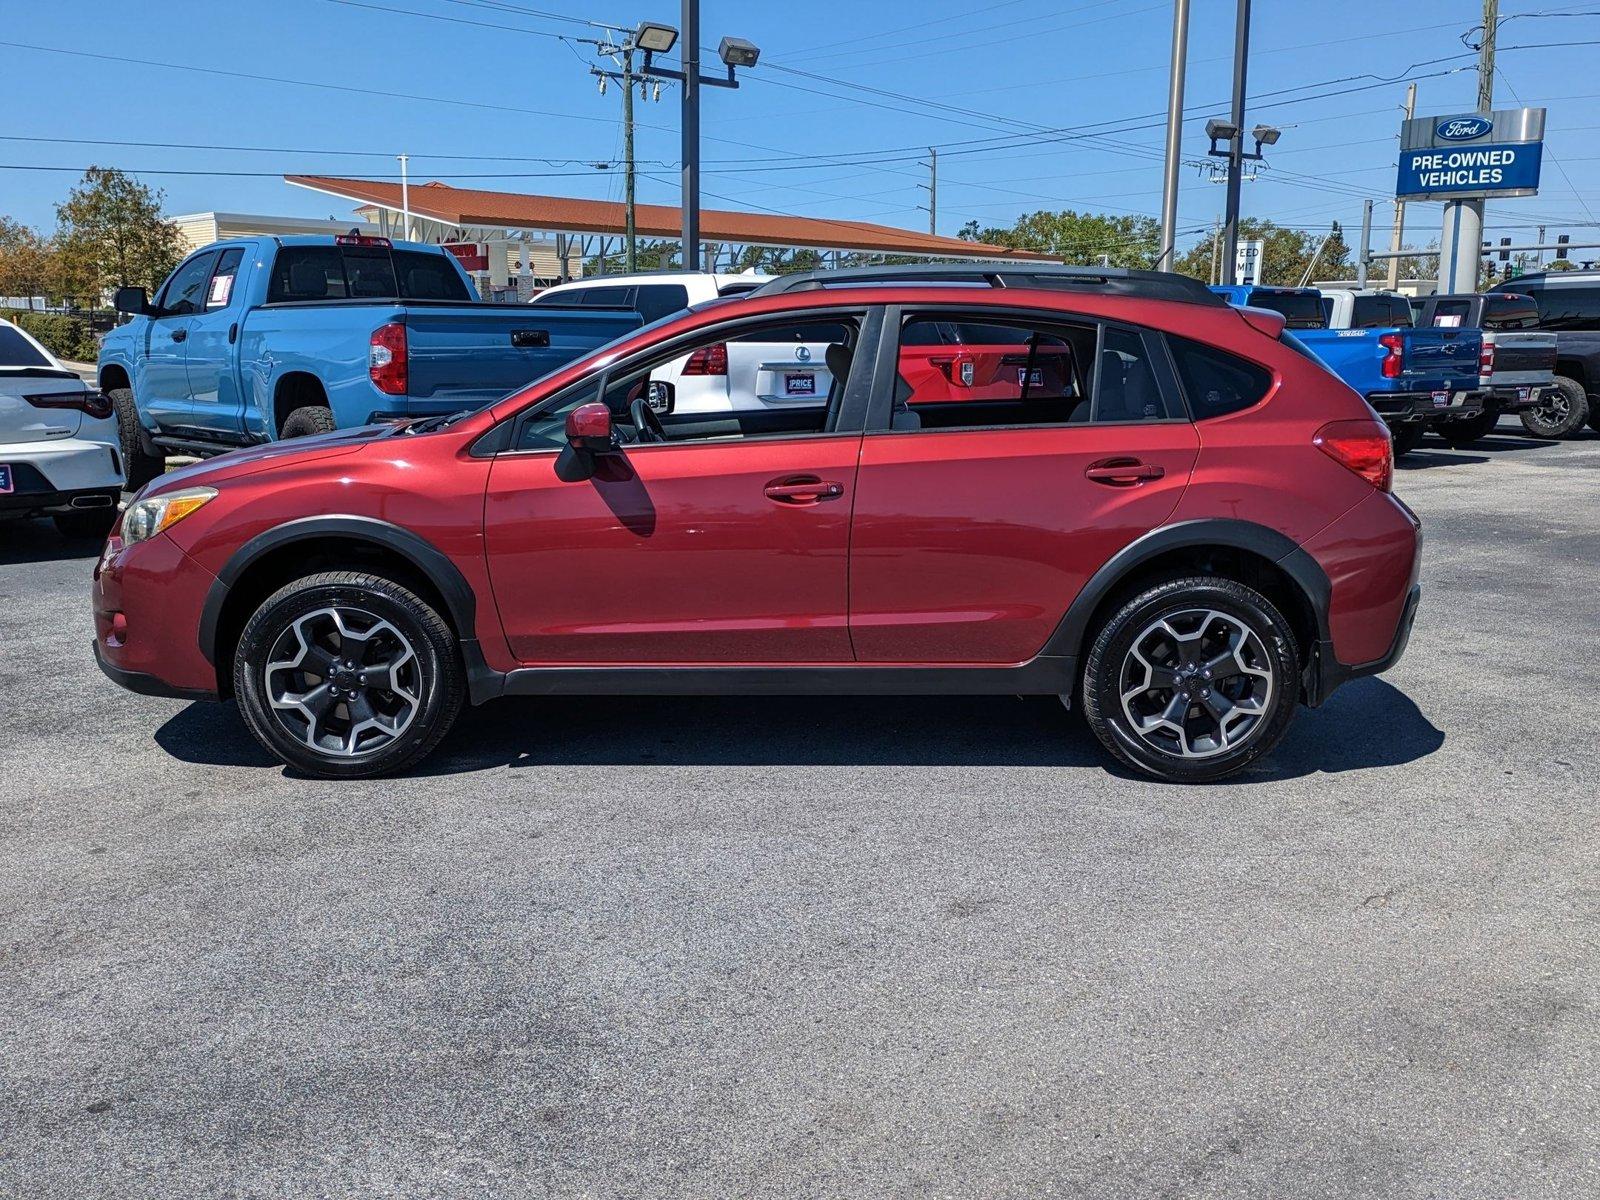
(1301, 310)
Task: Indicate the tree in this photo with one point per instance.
(1286, 255)
(1083, 239)
(112, 234)
(26, 261)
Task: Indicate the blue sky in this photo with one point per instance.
(979, 79)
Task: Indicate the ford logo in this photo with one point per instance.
(1463, 129)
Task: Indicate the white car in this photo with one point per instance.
(778, 371)
(58, 441)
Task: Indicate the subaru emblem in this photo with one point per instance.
(1463, 129)
(803, 353)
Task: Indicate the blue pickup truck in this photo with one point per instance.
(274, 337)
(1416, 379)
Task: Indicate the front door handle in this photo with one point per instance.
(178, 335)
(803, 489)
(1123, 472)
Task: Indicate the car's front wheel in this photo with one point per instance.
(1192, 679)
(346, 674)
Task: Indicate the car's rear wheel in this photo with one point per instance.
(1405, 437)
(1563, 412)
(141, 461)
(308, 421)
(346, 675)
(1462, 433)
(1192, 679)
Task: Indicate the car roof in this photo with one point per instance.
(718, 279)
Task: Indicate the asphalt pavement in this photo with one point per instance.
(828, 947)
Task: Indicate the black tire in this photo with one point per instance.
(92, 523)
(437, 683)
(1462, 433)
(141, 461)
(1405, 437)
(1560, 417)
(308, 421)
(1185, 602)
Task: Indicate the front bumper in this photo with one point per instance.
(147, 601)
(1427, 408)
(146, 685)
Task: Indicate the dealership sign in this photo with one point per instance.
(1471, 156)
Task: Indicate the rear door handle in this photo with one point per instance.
(1123, 472)
(803, 489)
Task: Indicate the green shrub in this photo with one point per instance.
(63, 335)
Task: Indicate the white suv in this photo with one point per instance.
(776, 372)
(58, 441)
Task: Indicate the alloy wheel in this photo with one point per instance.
(343, 681)
(1196, 683)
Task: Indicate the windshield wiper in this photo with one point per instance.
(430, 424)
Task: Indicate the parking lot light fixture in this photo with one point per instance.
(1219, 130)
(737, 52)
(655, 37)
(1266, 135)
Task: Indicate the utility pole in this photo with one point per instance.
(1364, 263)
(1398, 236)
(405, 198)
(689, 180)
(933, 190)
(1461, 236)
(1538, 259)
(1169, 181)
(1241, 56)
(630, 250)
(1216, 254)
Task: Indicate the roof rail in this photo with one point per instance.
(1118, 281)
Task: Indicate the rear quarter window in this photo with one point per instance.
(1215, 382)
(18, 351)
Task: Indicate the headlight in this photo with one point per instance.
(143, 519)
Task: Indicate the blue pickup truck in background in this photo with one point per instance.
(1416, 379)
(263, 338)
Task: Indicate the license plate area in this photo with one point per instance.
(1032, 379)
(7, 481)
(1441, 399)
(799, 383)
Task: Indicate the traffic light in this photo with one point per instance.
(1561, 245)
(1505, 255)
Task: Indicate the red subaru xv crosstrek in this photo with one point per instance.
(1152, 504)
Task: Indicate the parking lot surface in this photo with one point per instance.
(828, 947)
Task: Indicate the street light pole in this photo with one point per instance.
(1169, 182)
(690, 177)
(630, 251)
(1241, 54)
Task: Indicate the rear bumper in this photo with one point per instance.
(1325, 673)
(1509, 399)
(1402, 408)
(59, 476)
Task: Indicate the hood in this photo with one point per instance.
(236, 464)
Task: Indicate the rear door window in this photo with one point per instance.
(18, 351)
(1217, 383)
(656, 300)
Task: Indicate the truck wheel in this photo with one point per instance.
(1406, 437)
(307, 422)
(346, 675)
(141, 461)
(1562, 414)
(1461, 434)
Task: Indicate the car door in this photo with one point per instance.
(162, 386)
(977, 522)
(720, 546)
(215, 401)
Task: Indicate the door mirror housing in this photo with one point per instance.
(589, 428)
(134, 301)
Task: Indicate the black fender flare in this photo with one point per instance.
(1305, 571)
(428, 559)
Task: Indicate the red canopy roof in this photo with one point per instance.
(560, 214)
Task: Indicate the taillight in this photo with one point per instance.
(1360, 446)
(386, 359)
(91, 403)
(1486, 359)
(1394, 356)
(708, 360)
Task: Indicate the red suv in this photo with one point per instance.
(1162, 509)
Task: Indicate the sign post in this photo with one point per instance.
(1463, 159)
(1247, 262)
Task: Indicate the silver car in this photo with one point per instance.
(58, 441)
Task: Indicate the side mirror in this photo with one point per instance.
(134, 301)
(589, 428)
